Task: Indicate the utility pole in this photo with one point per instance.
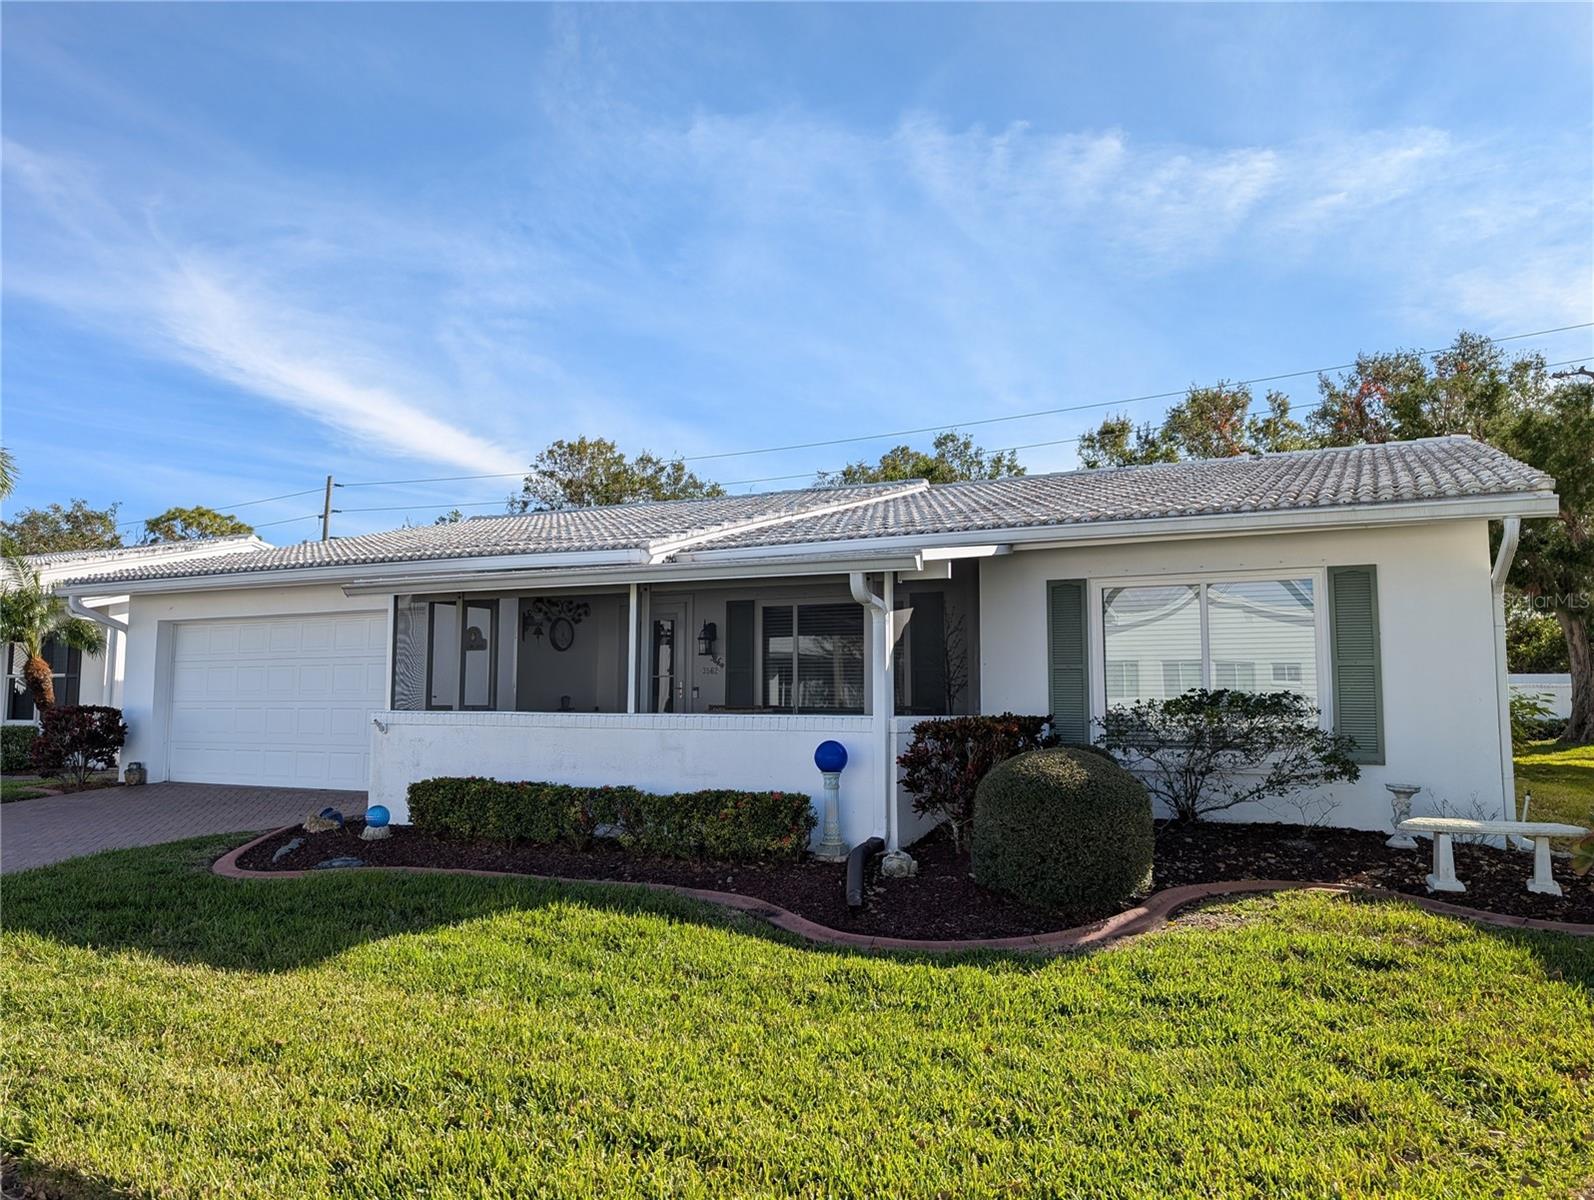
(326, 513)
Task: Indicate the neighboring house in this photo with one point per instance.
(716, 642)
(97, 679)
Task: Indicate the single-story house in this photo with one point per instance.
(98, 680)
(715, 642)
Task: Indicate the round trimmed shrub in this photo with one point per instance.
(1062, 828)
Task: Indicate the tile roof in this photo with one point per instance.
(1431, 469)
(118, 561)
(615, 527)
(62, 558)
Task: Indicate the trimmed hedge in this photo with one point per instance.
(721, 825)
(1064, 828)
(16, 748)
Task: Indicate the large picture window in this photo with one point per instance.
(1161, 640)
(813, 658)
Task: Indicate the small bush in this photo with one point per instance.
(16, 748)
(946, 760)
(1208, 751)
(1066, 828)
(721, 825)
(76, 740)
(1531, 716)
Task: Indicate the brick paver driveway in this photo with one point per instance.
(34, 833)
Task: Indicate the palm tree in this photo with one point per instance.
(8, 473)
(30, 616)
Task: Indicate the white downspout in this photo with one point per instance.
(1511, 535)
(897, 861)
(78, 609)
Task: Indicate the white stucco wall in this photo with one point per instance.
(151, 618)
(1440, 698)
(659, 753)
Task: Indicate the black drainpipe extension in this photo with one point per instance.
(856, 861)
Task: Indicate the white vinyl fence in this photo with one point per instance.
(1555, 689)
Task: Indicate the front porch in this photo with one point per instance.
(673, 688)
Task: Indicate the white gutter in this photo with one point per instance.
(879, 608)
(1509, 539)
(75, 606)
(335, 573)
(1107, 532)
(660, 573)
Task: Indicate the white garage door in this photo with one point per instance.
(280, 701)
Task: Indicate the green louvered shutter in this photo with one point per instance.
(1353, 640)
(739, 654)
(1067, 659)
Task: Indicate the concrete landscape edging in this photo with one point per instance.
(1152, 914)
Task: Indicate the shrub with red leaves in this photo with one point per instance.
(76, 740)
(947, 758)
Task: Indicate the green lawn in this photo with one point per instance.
(19, 789)
(1561, 779)
(173, 1034)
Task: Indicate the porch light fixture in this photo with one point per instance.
(706, 639)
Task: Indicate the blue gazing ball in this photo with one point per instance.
(830, 756)
(377, 816)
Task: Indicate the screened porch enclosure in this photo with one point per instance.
(798, 647)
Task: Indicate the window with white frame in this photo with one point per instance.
(1160, 640)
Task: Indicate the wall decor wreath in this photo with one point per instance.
(555, 619)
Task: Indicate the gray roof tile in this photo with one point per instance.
(1431, 469)
(615, 527)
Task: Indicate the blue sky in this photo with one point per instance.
(249, 245)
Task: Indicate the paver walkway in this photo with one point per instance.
(35, 833)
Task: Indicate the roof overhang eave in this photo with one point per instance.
(339, 573)
(656, 573)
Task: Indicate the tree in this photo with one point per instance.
(1471, 388)
(1211, 422)
(1209, 751)
(593, 471)
(1534, 644)
(8, 473)
(1554, 564)
(954, 457)
(191, 524)
(30, 616)
(452, 517)
(53, 529)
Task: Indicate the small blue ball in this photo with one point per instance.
(830, 756)
(377, 816)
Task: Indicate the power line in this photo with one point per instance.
(979, 421)
(1051, 412)
(1047, 412)
(1256, 407)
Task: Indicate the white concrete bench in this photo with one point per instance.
(1443, 878)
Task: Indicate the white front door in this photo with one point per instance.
(278, 701)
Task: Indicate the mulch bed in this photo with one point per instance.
(942, 901)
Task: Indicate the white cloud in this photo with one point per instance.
(716, 281)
